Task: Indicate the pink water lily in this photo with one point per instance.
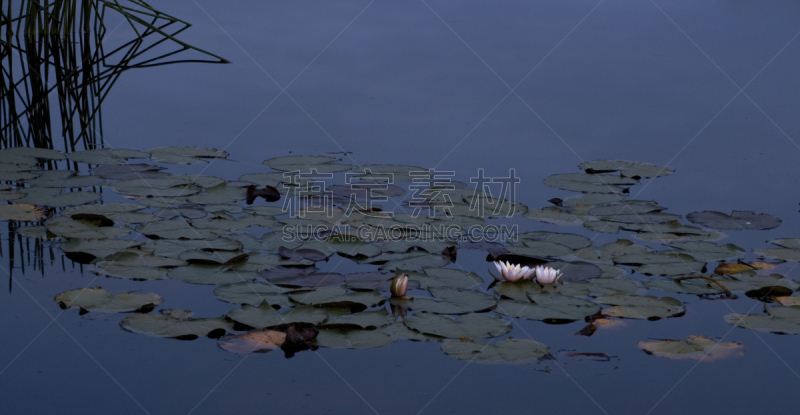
(513, 272)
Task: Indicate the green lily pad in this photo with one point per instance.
(445, 277)
(504, 351)
(554, 215)
(589, 183)
(83, 229)
(185, 155)
(28, 155)
(138, 267)
(540, 249)
(641, 307)
(547, 306)
(450, 301)
(174, 247)
(99, 300)
(477, 326)
(106, 156)
(263, 316)
(98, 248)
(610, 250)
(626, 208)
(338, 297)
(780, 319)
(175, 324)
(211, 274)
(570, 240)
(382, 172)
(104, 209)
(368, 320)
(416, 261)
(253, 293)
(64, 178)
(400, 331)
(694, 286)
(22, 212)
(737, 220)
(352, 339)
(173, 229)
(707, 251)
(701, 348)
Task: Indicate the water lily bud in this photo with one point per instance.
(547, 275)
(399, 285)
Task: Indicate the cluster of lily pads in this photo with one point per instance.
(263, 260)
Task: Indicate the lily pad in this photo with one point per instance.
(707, 251)
(445, 277)
(626, 168)
(22, 212)
(99, 300)
(185, 155)
(737, 220)
(589, 183)
(338, 297)
(504, 351)
(253, 293)
(701, 348)
(780, 319)
(352, 339)
(83, 229)
(176, 324)
(477, 326)
(641, 307)
(368, 320)
(259, 341)
(264, 315)
(548, 306)
(450, 301)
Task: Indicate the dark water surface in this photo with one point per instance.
(428, 84)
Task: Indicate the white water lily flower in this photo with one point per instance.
(547, 275)
(513, 272)
(399, 285)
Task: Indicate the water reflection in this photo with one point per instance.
(62, 47)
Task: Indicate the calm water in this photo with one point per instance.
(428, 83)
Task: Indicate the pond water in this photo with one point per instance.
(708, 89)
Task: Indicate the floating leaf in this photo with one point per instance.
(22, 212)
(337, 296)
(707, 251)
(264, 315)
(185, 155)
(138, 267)
(211, 274)
(83, 229)
(548, 306)
(445, 277)
(504, 351)
(253, 293)
(626, 168)
(589, 183)
(260, 341)
(369, 320)
(352, 339)
(450, 301)
(737, 220)
(97, 248)
(106, 156)
(780, 319)
(641, 307)
(175, 324)
(478, 326)
(701, 348)
(99, 300)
